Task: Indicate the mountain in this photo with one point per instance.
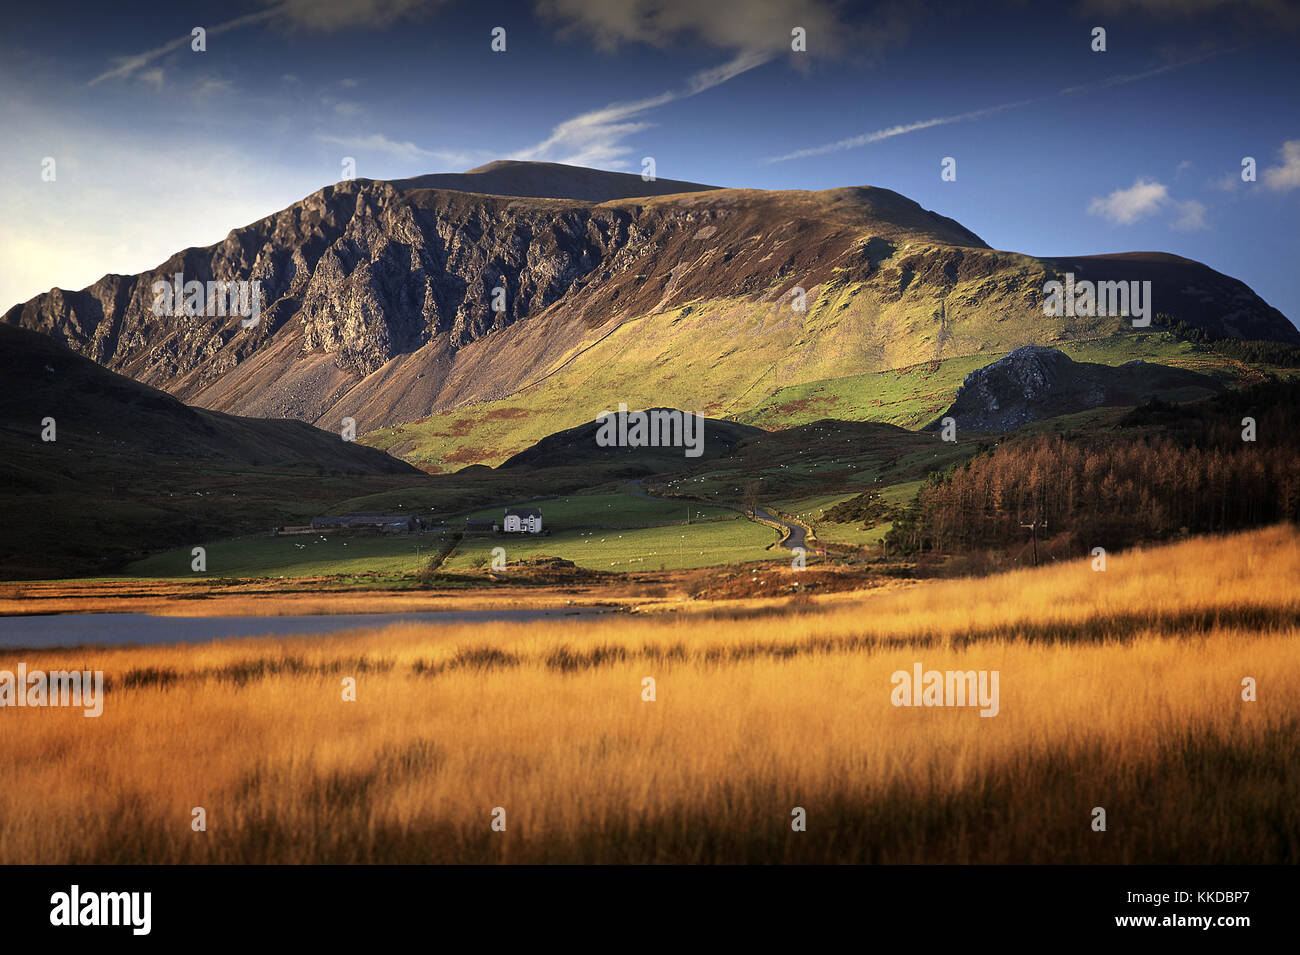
(378, 301)
(548, 180)
(93, 407)
(1034, 383)
(579, 446)
(1188, 291)
(131, 467)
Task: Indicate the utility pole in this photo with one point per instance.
(1033, 533)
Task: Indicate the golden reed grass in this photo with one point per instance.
(1119, 689)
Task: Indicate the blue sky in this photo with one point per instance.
(1059, 150)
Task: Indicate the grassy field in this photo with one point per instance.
(307, 555)
(641, 535)
(1120, 690)
(614, 510)
(672, 547)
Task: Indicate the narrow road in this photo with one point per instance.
(793, 535)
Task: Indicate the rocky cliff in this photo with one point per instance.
(378, 297)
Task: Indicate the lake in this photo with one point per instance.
(118, 629)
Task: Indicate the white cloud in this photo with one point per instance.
(1191, 216)
(1127, 206)
(1146, 198)
(865, 139)
(153, 77)
(889, 132)
(1228, 182)
(596, 138)
(1121, 79)
(1285, 177)
(378, 142)
(210, 87)
(754, 26)
(753, 31)
(320, 15)
(341, 107)
(129, 65)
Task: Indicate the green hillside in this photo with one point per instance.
(646, 371)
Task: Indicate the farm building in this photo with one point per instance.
(393, 523)
(481, 526)
(523, 520)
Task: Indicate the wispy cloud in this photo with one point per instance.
(379, 143)
(328, 15)
(129, 65)
(902, 129)
(314, 15)
(1190, 216)
(211, 87)
(596, 138)
(889, 132)
(1123, 78)
(760, 26)
(754, 32)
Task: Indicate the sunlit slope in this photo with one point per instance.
(658, 362)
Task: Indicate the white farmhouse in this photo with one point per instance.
(522, 520)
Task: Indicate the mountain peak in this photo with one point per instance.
(550, 180)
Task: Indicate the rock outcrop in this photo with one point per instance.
(1033, 383)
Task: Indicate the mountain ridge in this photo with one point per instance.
(379, 296)
(548, 180)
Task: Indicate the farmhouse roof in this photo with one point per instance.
(523, 512)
